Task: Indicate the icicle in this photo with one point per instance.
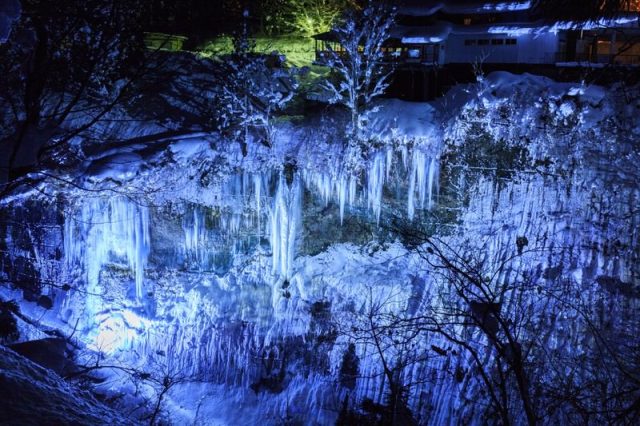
(375, 185)
(129, 236)
(405, 156)
(257, 189)
(285, 219)
(411, 207)
(433, 180)
(192, 233)
(422, 181)
(342, 196)
(196, 237)
(352, 190)
(420, 162)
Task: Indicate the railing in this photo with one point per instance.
(323, 57)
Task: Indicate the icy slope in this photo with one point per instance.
(32, 395)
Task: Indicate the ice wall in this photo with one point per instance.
(238, 327)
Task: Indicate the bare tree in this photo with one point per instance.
(361, 74)
(538, 347)
(394, 347)
(474, 302)
(255, 88)
(161, 375)
(66, 65)
(306, 17)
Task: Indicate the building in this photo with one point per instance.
(504, 34)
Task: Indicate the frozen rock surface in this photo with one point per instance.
(255, 285)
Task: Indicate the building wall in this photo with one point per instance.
(538, 49)
(501, 48)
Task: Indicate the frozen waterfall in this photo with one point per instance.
(105, 230)
(114, 229)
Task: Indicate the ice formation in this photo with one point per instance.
(422, 182)
(246, 301)
(237, 330)
(285, 217)
(375, 184)
(195, 234)
(385, 168)
(108, 230)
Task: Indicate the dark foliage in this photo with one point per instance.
(8, 325)
(350, 367)
(64, 59)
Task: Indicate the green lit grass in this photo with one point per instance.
(298, 50)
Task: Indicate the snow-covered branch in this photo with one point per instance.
(359, 65)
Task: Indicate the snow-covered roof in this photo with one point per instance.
(427, 8)
(485, 6)
(439, 31)
(419, 8)
(539, 27)
(436, 33)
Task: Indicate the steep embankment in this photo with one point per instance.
(32, 395)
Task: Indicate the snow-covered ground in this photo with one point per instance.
(36, 396)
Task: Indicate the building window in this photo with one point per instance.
(483, 42)
(511, 41)
(467, 21)
(413, 53)
(497, 41)
(470, 42)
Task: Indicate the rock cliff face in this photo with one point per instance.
(299, 285)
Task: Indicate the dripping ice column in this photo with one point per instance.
(285, 220)
(375, 183)
(195, 236)
(422, 180)
(342, 196)
(433, 176)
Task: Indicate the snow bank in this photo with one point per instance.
(34, 395)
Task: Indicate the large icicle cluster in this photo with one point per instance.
(105, 230)
(251, 205)
(421, 178)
